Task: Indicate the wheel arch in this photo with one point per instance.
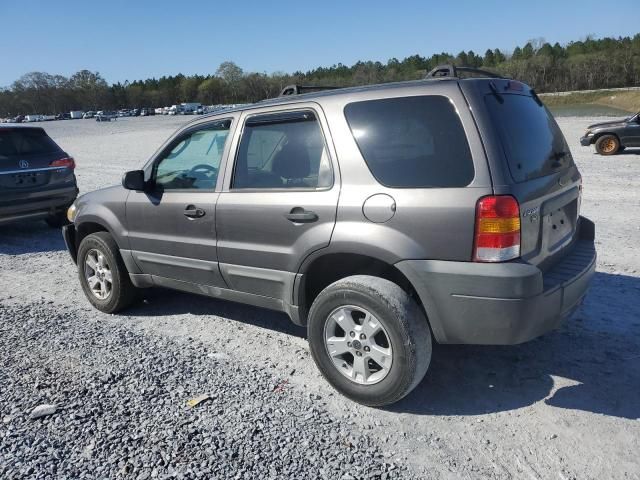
(323, 270)
(597, 136)
(86, 228)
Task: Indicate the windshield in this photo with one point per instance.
(531, 138)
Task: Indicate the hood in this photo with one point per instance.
(109, 194)
(613, 123)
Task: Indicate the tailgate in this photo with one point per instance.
(543, 176)
(14, 182)
(549, 212)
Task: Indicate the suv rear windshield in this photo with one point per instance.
(412, 142)
(25, 141)
(531, 138)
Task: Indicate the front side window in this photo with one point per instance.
(412, 142)
(282, 151)
(194, 161)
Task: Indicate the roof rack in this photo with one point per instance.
(298, 89)
(450, 70)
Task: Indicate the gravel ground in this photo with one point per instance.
(564, 406)
(121, 409)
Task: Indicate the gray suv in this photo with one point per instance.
(382, 218)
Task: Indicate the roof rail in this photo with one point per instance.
(298, 89)
(450, 70)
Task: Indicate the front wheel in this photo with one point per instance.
(103, 275)
(369, 339)
(607, 145)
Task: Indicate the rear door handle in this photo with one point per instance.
(300, 215)
(194, 212)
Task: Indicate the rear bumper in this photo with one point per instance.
(586, 141)
(502, 303)
(34, 205)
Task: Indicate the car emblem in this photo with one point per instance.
(532, 213)
(23, 164)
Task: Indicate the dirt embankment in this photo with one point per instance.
(625, 100)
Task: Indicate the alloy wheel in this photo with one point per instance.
(358, 345)
(97, 273)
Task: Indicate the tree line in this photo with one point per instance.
(587, 64)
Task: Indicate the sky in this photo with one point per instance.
(138, 39)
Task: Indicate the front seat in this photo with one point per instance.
(293, 164)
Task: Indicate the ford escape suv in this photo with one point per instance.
(379, 217)
(37, 178)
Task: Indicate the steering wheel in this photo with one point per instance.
(203, 166)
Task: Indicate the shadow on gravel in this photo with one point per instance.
(596, 352)
(161, 302)
(30, 237)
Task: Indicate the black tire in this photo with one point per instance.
(401, 317)
(122, 291)
(607, 145)
(57, 220)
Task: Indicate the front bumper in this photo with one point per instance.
(502, 303)
(69, 235)
(586, 141)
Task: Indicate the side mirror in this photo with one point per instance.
(134, 180)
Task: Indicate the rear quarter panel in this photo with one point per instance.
(429, 223)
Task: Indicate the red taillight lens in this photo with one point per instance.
(497, 236)
(64, 162)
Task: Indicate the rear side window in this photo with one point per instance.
(284, 150)
(531, 138)
(412, 142)
(25, 141)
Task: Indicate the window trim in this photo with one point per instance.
(159, 157)
(430, 95)
(283, 115)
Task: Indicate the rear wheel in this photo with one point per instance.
(369, 339)
(103, 275)
(607, 145)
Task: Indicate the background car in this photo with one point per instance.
(37, 179)
(106, 116)
(614, 136)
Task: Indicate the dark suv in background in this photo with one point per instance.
(37, 179)
(613, 136)
(379, 217)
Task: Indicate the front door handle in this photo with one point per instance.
(193, 212)
(300, 215)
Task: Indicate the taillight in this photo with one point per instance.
(64, 162)
(497, 236)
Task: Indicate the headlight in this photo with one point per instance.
(72, 212)
(588, 133)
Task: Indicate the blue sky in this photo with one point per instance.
(128, 40)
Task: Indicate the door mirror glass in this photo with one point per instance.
(133, 180)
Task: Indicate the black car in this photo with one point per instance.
(612, 137)
(37, 179)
